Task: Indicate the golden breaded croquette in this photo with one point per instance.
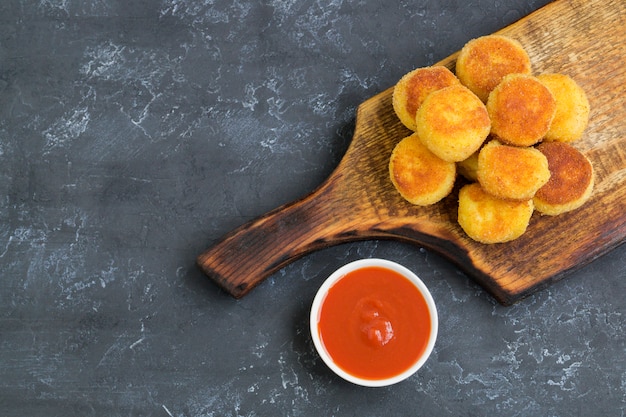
(468, 167)
(571, 181)
(453, 123)
(488, 219)
(484, 61)
(572, 108)
(511, 172)
(412, 89)
(420, 176)
(521, 109)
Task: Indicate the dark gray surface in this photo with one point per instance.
(133, 134)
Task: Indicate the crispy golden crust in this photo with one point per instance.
(521, 109)
(414, 87)
(572, 108)
(511, 172)
(484, 61)
(420, 177)
(453, 123)
(571, 181)
(488, 219)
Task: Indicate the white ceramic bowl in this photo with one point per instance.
(319, 300)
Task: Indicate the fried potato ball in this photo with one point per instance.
(511, 172)
(572, 108)
(484, 61)
(414, 87)
(468, 167)
(453, 123)
(521, 109)
(421, 177)
(571, 181)
(488, 219)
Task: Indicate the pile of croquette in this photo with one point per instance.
(507, 132)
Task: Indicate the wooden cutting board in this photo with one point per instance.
(585, 39)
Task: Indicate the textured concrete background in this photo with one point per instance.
(135, 133)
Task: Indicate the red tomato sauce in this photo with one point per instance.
(374, 323)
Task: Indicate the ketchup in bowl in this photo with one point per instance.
(374, 322)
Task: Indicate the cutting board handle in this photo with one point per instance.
(249, 254)
(357, 202)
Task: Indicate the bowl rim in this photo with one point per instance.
(321, 296)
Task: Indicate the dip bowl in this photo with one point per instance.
(373, 322)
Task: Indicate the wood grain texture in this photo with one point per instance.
(584, 39)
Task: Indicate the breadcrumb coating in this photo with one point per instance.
(484, 61)
(421, 177)
(453, 123)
